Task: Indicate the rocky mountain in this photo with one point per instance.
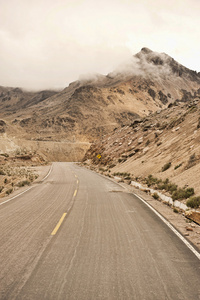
(163, 145)
(71, 119)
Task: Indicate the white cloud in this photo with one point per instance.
(47, 43)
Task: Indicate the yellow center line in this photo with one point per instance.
(77, 181)
(75, 193)
(59, 224)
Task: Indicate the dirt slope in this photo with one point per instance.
(90, 108)
(169, 139)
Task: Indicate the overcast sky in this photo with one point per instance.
(50, 43)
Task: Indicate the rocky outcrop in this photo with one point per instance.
(165, 144)
(92, 107)
(2, 126)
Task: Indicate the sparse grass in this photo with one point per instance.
(123, 174)
(121, 160)
(8, 192)
(111, 166)
(32, 177)
(169, 187)
(150, 180)
(166, 166)
(178, 166)
(127, 178)
(23, 183)
(193, 202)
(14, 174)
(155, 196)
(182, 193)
(192, 161)
(177, 193)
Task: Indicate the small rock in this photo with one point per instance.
(145, 150)
(140, 140)
(186, 234)
(158, 132)
(189, 229)
(175, 129)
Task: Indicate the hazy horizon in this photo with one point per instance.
(47, 44)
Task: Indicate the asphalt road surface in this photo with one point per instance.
(78, 235)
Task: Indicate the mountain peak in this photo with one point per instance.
(146, 50)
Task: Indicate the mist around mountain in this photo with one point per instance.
(139, 123)
(63, 124)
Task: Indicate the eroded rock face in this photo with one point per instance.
(2, 126)
(152, 93)
(163, 98)
(147, 145)
(90, 108)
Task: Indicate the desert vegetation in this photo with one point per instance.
(166, 166)
(193, 202)
(16, 171)
(176, 192)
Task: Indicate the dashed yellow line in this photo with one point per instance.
(64, 215)
(59, 224)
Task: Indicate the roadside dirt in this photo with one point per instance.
(40, 171)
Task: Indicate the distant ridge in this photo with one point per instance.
(94, 105)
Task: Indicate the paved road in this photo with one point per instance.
(78, 235)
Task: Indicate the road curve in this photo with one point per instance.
(78, 235)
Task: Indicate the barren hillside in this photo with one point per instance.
(165, 144)
(51, 121)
